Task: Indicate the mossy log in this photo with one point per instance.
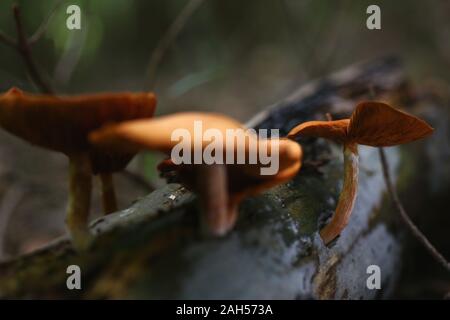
(155, 249)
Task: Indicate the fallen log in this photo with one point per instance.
(155, 248)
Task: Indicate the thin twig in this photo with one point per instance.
(25, 51)
(316, 59)
(323, 62)
(414, 229)
(164, 43)
(40, 31)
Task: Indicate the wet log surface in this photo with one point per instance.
(155, 249)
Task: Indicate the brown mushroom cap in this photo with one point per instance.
(372, 123)
(62, 123)
(335, 130)
(377, 124)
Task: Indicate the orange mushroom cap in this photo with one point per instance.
(372, 123)
(62, 123)
(155, 134)
(246, 178)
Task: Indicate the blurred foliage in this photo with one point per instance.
(150, 160)
(236, 56)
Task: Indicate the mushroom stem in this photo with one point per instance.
(212, 187)
(109, 199)
(233, 211)
(347, 197)
(80, 186)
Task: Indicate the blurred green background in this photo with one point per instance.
(233, 56)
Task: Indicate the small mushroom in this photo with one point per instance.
(221, 186)
(63, 124)
(372, 123)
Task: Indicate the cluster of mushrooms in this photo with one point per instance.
(101, 133)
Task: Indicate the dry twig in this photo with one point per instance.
(40, 31)
(22, 46)
(167, 39)
(24, 49)
(410, 224)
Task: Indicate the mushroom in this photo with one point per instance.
(63, 124)
(221, 185)
(372, 123)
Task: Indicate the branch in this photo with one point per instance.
(44, 25)
(136, 252)
(414, 229)
(24, 49)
